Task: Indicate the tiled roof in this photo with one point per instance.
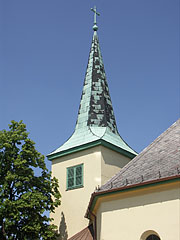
(96, 118)
(161, 159)
(86, 234)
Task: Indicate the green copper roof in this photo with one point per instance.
(96, 120)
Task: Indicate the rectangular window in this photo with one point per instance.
(75, 177)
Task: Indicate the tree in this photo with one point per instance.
(25, 197)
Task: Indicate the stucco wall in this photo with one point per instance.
(100, 164)
(111, 163)
(74, 202)
(133, 217)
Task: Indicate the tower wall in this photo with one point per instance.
(111, 163)
(99, 164)
(69, 217)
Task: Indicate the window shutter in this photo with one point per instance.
(75, 177)
(78, 175)
(70, 177)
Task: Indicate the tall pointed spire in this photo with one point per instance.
(95, 107)
(96, 121)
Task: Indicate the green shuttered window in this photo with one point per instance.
(75, 177)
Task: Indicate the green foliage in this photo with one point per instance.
(25, 196)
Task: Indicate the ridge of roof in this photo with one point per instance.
(96, 118)
(161, 159)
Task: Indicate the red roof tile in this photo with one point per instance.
(85, 234)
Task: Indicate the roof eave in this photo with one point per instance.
(96, 195)
(98, 142)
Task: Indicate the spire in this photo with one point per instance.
(96, 121)
(96, 107)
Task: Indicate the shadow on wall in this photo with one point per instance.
(63, 228)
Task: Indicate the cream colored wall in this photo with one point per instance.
(111, 163)
(133, 217)
(100, 164)
(74, 202)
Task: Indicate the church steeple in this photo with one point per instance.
(96, 123)
(94, 152)
(96, 107)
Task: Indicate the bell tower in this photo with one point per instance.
(94, 152)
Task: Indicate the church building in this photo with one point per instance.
(110, 192)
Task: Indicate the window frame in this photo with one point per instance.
(75, 186)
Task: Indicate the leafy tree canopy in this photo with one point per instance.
(25, 196)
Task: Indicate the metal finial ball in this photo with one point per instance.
(95, 27)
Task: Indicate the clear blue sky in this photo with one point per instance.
(44, 48)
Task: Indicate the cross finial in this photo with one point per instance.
(95, 27)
